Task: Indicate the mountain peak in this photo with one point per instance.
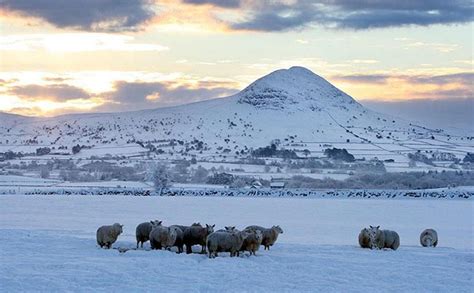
(300, 70)
(294, 88)
(295, 74)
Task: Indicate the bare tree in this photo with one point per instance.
(160, 177)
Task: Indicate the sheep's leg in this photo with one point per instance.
(203, 249)
(138, 242)
(188, 249)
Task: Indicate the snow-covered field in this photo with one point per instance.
(47, 243)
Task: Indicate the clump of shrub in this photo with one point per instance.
(339, 154)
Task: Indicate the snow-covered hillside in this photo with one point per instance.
(294, 107)
(289, 104)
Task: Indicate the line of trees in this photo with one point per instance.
(408, 180)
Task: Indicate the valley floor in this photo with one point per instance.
(47, 243)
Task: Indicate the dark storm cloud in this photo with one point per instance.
(265, 15)
(89, 15)
(357, 14)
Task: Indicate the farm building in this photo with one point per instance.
(277, 185)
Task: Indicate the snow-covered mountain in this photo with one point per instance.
(293, 105)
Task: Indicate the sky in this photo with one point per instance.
(59, 57)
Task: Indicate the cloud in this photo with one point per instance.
(363, 78)
(396, 87)
(264, 15)
(220, 3)
(140, 95)
(349, 14)
(303, 42)
(147, 92)
(89, 15)
(55, 92)
(454, 112)
(364, 61)
(4, 82)
(366, 14)
(75, 42)
(276, 16)
(440, 47)
(465, 78)
(56, 79)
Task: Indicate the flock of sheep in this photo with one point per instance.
(374, 237)
(235, 241)
(229, 239)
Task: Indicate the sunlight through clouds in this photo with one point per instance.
(75, 42)
(56, 60)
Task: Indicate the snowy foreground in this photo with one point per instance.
(47, 243)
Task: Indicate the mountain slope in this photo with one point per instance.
(293, 105)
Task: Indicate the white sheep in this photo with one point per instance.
(270, 235)
(429, 238)
(107, 235)
(225, 242)
(179, 238)
(383, 238)
(197, 235)
(162, 237)
(364, 238)
(228, 229)
(252, 242)
(143, 230)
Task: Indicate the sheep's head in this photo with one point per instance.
(176, 229)
(428, 240)
(230, 228)
(373, 231)
(155, 223)
(259, 235)
(118, 227)
(210, 228)
(278, 229)
(241, 234)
